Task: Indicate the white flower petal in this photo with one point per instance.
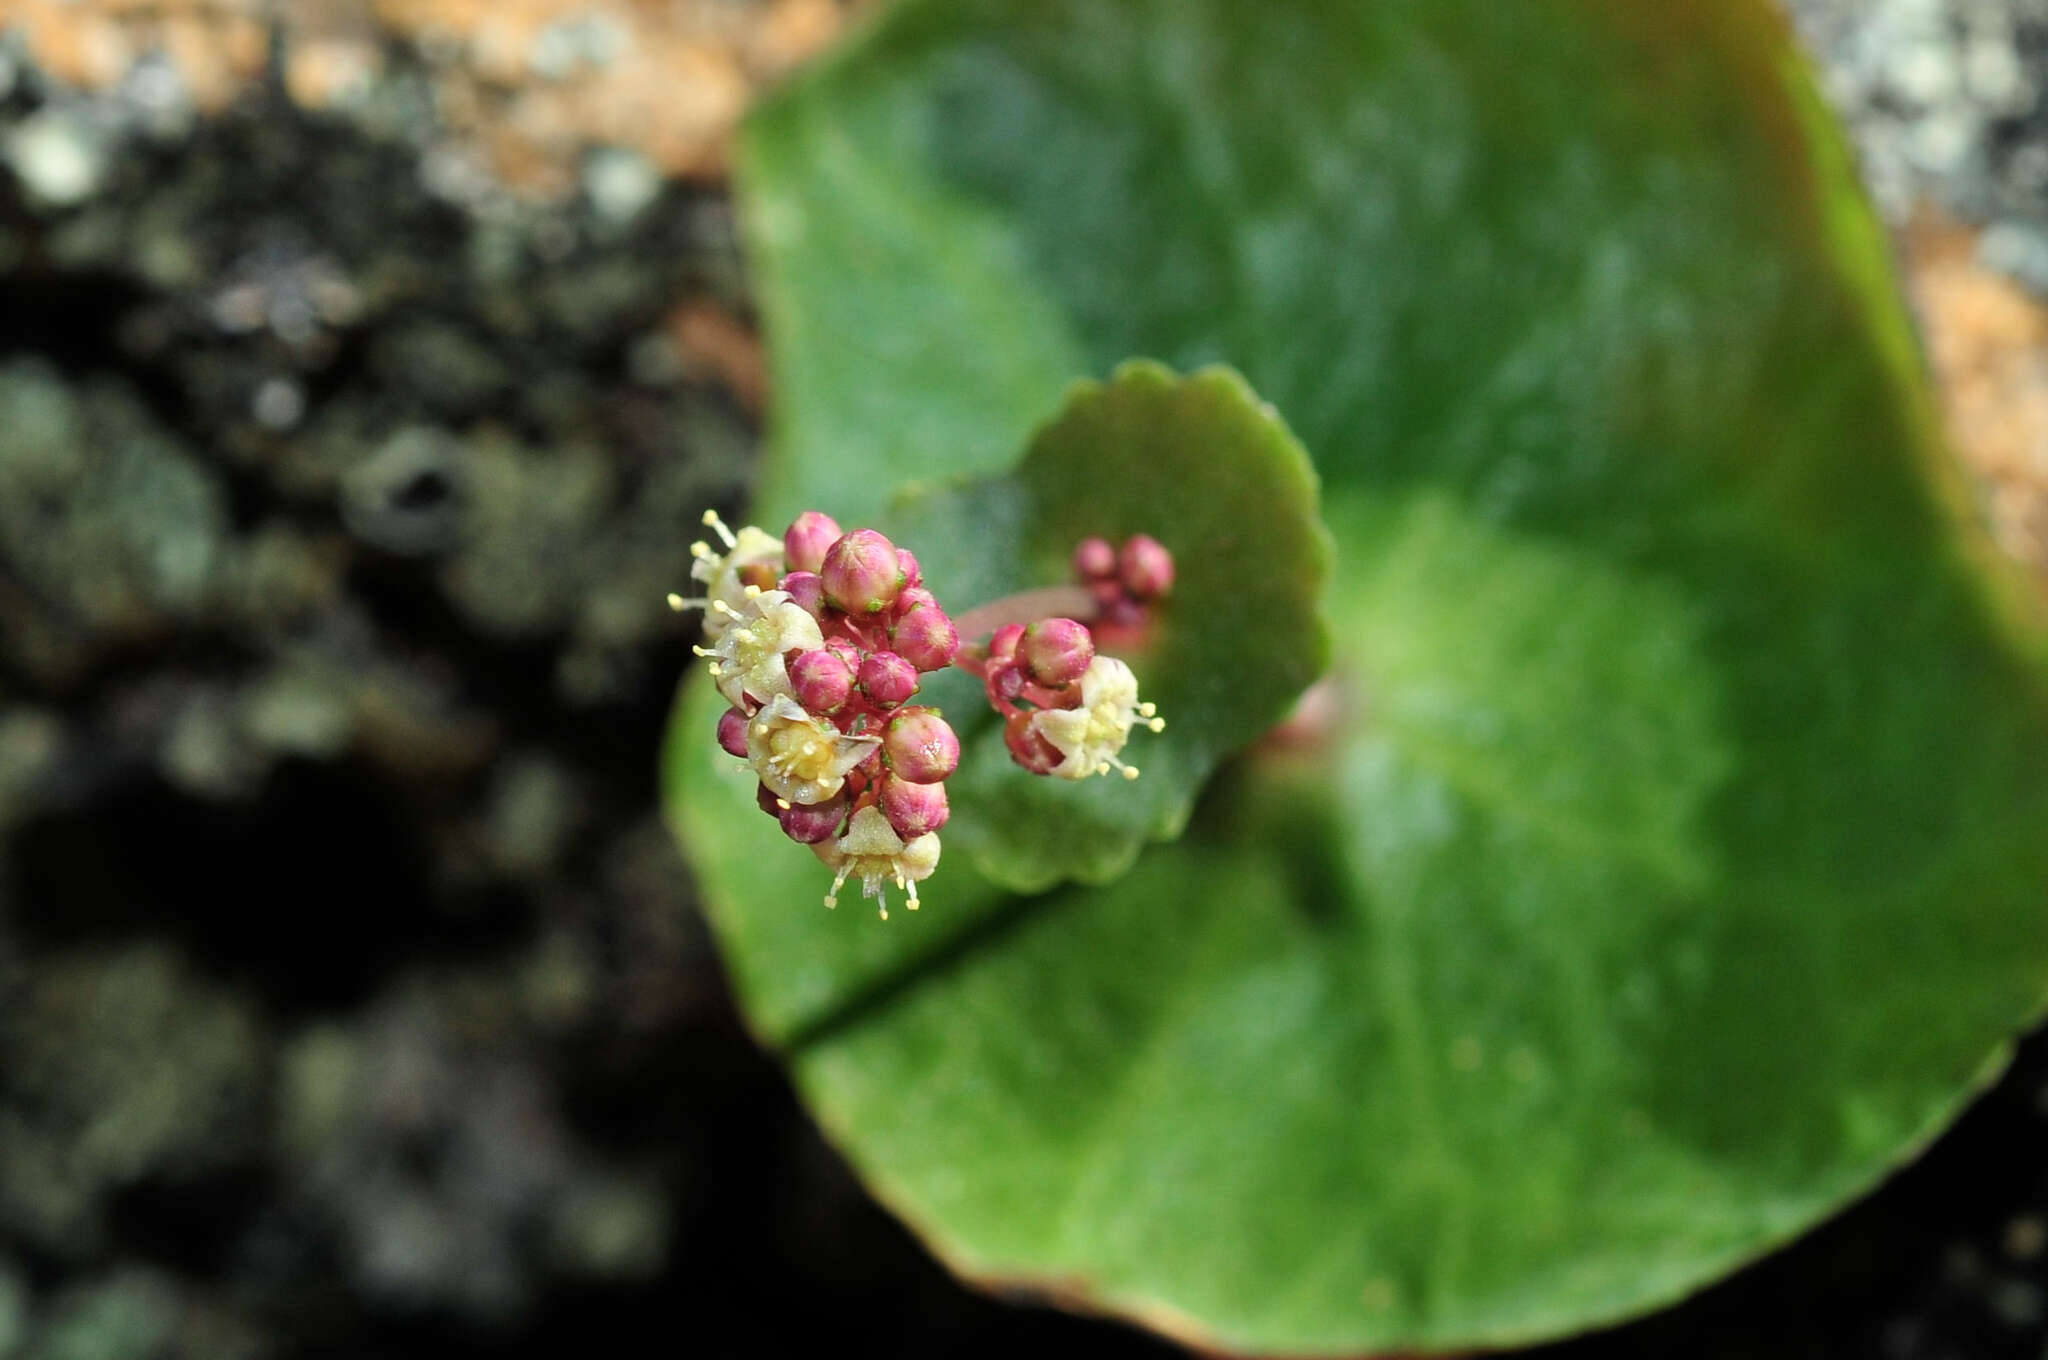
(721, 574)
(871, 851)
(747, 661)
(801, 757)
(1091, 738)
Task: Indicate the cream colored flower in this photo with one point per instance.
(799, 756)
(871, 851)
(747, 660)
(721, 573)
(1089, 738)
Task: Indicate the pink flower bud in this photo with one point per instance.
(1002, 644)
(913, 575)
(732, 733)
(1028, 746)
(809, 824)
(1146, 567)
(1094, 559)
(845, 650)
(888, 679)
(913, 810)
(806, 540)
(926, 638)
(807, 588)
(920, 747)
(822, 681)
(913, 597)
(862, 572)
(1122, 612)
(1056, 652)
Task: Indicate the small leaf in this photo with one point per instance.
(1200, 464)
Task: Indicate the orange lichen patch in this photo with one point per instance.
(218, 46)
(535, 81)
(528, 85)
(322, 70)
(789, 33)
(1988, 341)
(717, 345)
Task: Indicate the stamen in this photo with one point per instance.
(838, 881)
(1157, 724)
(702, 550)
(700, 651)
(717, 526)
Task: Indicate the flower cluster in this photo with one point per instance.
(1067, 711)
(818, 643)
(1124, 580)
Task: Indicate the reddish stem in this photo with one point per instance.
(1071, 602)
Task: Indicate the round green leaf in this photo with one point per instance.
(1675, 864)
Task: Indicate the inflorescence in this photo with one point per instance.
(818, 643)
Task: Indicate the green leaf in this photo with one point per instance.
(1674, 867)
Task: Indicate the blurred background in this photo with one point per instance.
(363, 369)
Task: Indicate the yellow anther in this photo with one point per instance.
(717, 526)
(871, 851)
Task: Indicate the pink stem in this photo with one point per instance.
(1069, 602)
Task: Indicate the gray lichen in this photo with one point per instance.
(324, 477)
(116, 1067)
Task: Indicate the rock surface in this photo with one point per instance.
(1947, 102)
